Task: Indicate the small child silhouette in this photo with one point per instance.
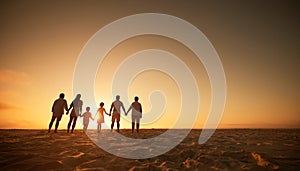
(86, 118)
(100, 119)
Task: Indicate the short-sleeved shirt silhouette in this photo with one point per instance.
(59, 106)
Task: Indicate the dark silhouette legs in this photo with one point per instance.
(112, 125)
(69, 124)
(74, 123)
(56, 126)
(132, 127)
(118, 126)
(74, 119)
(51, 123)
(137, 127)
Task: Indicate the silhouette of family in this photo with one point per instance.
(60, 105)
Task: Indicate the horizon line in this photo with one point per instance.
(154, 128)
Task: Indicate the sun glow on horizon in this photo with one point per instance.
(40, 45)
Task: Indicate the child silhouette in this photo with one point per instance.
(86, 118)
(100, 119)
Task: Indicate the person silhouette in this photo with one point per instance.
(87, 115)
(136, 114)
(100, 119)
(116, 108)
(76, 111)
(58, 110)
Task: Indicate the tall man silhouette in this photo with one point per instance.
(76, 111)
(58, 108)
(136, 114)
(116, 107)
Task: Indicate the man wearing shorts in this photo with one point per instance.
(116, 108)
(136, 114)
(58, 108)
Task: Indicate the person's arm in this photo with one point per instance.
(69, 108)
(128, 110)
(66, 105)
(105, 111)
(96, 113)
(123, 109)
(111, 107)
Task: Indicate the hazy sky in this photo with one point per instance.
(258, 43)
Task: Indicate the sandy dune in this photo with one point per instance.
(233, 149)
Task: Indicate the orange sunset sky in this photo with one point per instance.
(258, 43)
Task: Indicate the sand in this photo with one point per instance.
(232, 149)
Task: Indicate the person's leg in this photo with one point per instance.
(69, 124)
(51, 123)
(87, 125)
(113, 118)
(132, 123)
(137, 124)
(112, 125)
(99, 127)
(56, 125)
(84, 127)
(118, 122)
(118, 126)
(58, 118)
(132, 127)
(74, 123)
(137, 127)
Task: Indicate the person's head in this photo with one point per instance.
(136, 98)
(88, 109)
(62, 95)
(78, 96)
(101, 104)
(118, 97)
